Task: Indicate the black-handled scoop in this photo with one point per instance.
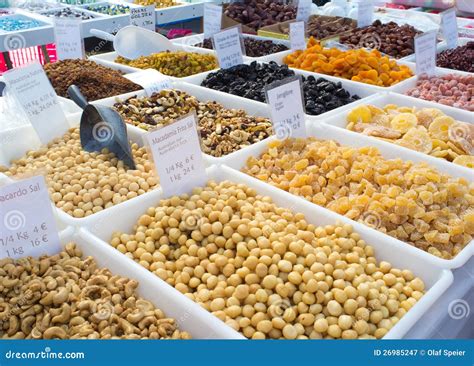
(102, 127)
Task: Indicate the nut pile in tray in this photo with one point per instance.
(82, 183)
(222, 130)
(410, 201)
(66, 296)
(460, 58)
(427, 130)
(265, 270)
(249, 81)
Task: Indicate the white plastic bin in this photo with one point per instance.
(399, 254)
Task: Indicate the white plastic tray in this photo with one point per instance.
(108, 59)
(389, 151)
(191, 41)
(362, 90)
(190, 316)
(278, 58)
(202, 94)
(400, 255)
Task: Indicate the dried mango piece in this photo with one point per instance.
(439, 128)
(427, 115)
(404, 122)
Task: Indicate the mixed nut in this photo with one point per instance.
(222, 130)
(249, 81)
(66, 296)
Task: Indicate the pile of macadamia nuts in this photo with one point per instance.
(83, 183)
(66, 296)
(265, 271)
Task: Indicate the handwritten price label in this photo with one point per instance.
(31, 87)
(286, 104)
(68, 36)
(177, 156)
(304, 10)
(212, 19)
(27, 224)
(425, 53)
(365, 13)
(228, 47)
(297, 36)
(449, 24)
(151, 80)
(143, 17)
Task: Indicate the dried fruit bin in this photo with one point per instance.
(189, 316)
(352, 87)
(388, 151)
(441, 47)
(108, 59)
(278, 58)
(403, 256)
(192, 41)
(252, 108)
(411, 83)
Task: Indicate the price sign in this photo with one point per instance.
(177, 156)
(151, 80)
(304, 10)
(68, 37)
(31, 88)
(449, 24)
(365, 13)
(297, 36)
(425, 53)
(286, 105)
(228, 47)
(27, 224)
(212, 19)
(144, 17)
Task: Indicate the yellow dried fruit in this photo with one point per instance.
(439, 128)
(360, 114)
(404, 122)
(418, 139)
(465, 160)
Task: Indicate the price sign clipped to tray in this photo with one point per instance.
(177, 155)
(30, 86)
(68, 37)
(212, 19)
(365, 13)
(449, 25)
(27, 223)
(144, 17)
(304, 10)
(286, 104)
(297, 36)
(228, 45)
(151, 80)
(425, 53)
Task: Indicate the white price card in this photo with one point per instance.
(425, 53)
(449, 25)
(177, 155)
(144, 17)
(27, 223)
(297, 36)
(212, 19)
(286, 105)
(68, 38)
(304, 10)
(228, 46)
(33, 91)
(365, 13)
(151, 80)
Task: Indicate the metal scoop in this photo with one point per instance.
(102, 127)
(132, 42)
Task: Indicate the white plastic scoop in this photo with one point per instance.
(132, 42)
